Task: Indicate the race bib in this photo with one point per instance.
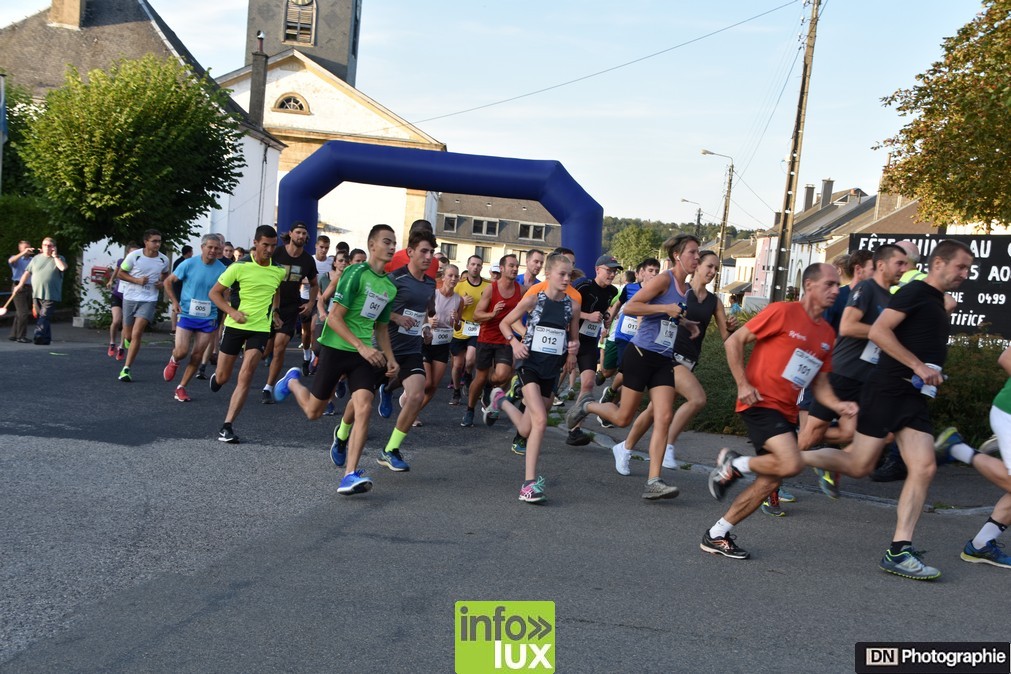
(590, 329)
(548, 340)
(374, 305)
(471, 329)
(630, 324)
(802, 369)
(419, 322)
(665, 335)
(441, 336)
(871, 353)
(200, 308)
(687, 362)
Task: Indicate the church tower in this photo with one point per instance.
(325, 30)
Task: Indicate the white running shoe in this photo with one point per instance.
(668, 458)
(621, 458)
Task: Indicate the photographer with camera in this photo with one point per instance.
(22, 298)
(46, 273)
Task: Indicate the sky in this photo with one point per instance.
(699, 75)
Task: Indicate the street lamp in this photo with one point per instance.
(726, 214)
(698, 216)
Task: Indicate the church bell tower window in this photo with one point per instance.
(299, 22)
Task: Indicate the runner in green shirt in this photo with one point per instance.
(360, 311)
(249, 325)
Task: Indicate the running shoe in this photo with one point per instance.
(120, 353)
(519, 445)
(181, 395)
(829, 482)
(604, 423)
(338, 450)
(385, 402)
(608, 396)
(215, 386)
(169, 373)
(393, 460)
(724, 475)
(990, 446)
(948, 438)
(908, 565)
(305, 367)
(266, 397)
(457, 398)
(342, 388)
(892, 468)
(770, 506)
(124, 375)
(659, 489)
(354, 483)
(491, 412)
(786, 497)
(532, 491)
(515, 390)
(468, 419)
(330, 410)
(990, 554)
(599, 378)
(282, 389)
(228, 435)
(112, 351)
(669, 461)
(578, 438)
(724, 545)
(578, 411)
(558, 402)
(202, 372)
(621, 458)
(564, 390)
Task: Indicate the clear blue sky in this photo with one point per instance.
(631, 136)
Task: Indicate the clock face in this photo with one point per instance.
(300, 2)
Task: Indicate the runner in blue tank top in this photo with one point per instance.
(648, 362)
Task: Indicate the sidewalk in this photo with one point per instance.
(957, 489)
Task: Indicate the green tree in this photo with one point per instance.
(633, 244)
(146, 144)
(21, 111)
(955, 153)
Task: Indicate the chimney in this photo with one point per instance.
(808, 196)
(258, 83)
(826, 192)
(67, 13)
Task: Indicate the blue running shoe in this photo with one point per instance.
(354, 483)
(393, 460)
(990, 554)
(330, 409)
(786, 497)
(338, 450)
(385, 402)
(342, 388)
(948, 438)
(519, 445)
(829, 482)
(281, 390)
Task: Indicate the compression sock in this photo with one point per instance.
(343, 431)
(396, 437)
(990, 531)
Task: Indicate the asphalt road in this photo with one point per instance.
(134, 541)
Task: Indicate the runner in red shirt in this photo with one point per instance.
(793, 350)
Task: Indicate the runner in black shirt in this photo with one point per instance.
(913, 336)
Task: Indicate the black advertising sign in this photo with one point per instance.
(982, 298)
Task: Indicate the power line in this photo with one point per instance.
(606, 70)
(740, 179)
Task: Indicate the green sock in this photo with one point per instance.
(396, 437)
(344, 430)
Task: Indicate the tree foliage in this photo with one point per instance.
(707, 232)
(954, 155)
(145, 145)
(21, 112)
(633, 244)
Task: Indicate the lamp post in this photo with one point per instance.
(726, 214)
(698, 216)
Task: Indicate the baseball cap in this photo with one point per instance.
(608, 261)
(495, 269)
(299, 225)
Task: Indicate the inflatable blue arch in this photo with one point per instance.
(547, 182)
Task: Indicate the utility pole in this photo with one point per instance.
(726, 215)
(698, 223)
(781, 268)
